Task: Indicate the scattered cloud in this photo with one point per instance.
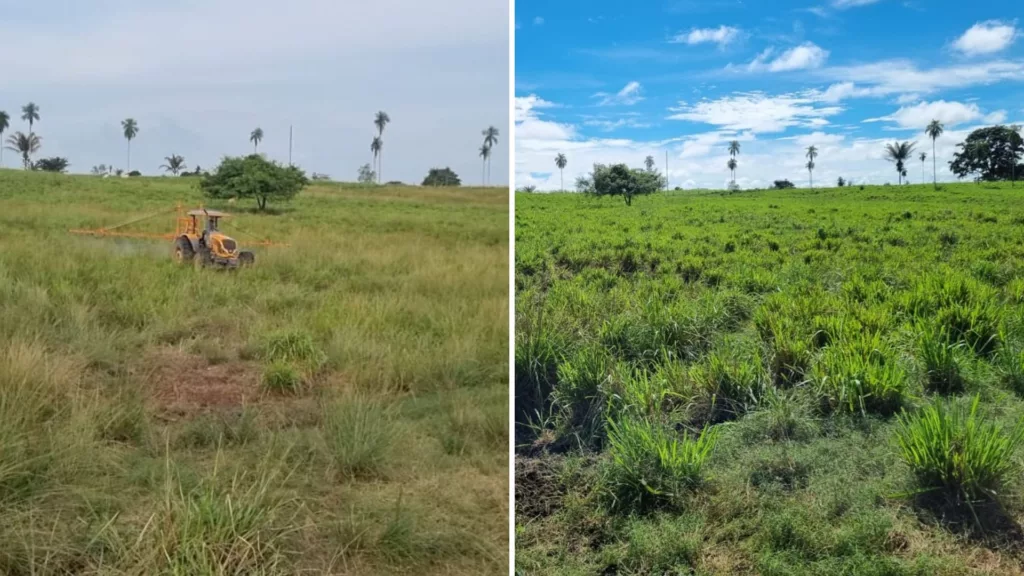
(890, 77)
(629, 95)
(757, 112)
(949, 113)
(805, 56)
(538, 21)
(610, 125)
(844, 4)
(987, 38)
(723, 36)
(531, 127)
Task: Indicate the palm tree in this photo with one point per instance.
(490, 140)
(734, 150)
(256, 137)
(812, 153)
(24, 144)
(380, 120)
(899, 152)
(649, 163)
(561, 161)
(732, 168)
(5, 123)
(934, 130)
(485, 153)
(174, 164)
(376, 146)
(923, 157)
(131, 130)
(30, 113)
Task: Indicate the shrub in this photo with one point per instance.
(954, 451)
(783, 184)
(442, 177)
(55, 164)
(651, 466)
(255, 177)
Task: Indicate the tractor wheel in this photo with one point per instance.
(246, 258)
(203, 258)
(183, 251)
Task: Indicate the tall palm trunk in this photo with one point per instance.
(129, 155)
(810, 174)
(935, 177)
(380, 164)
(483, 171)
(561, 179)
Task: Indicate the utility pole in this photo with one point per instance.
(289, 145)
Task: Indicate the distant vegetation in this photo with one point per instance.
(442, 177)
(990, 154)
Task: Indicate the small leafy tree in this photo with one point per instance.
(442, 177)
(55, 164)
(367, 175)
(841, 182)
(621, 180)
(253, 177)
(783, 184)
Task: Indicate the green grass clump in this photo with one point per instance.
(580, 397)
(651, 466)
(281, 377)
(956, 451)
(861, 376)
(941, 362)
(730, 381)
(360, 434)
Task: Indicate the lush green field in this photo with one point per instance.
(740, 383)
(340, 408)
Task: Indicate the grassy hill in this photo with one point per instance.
(774, 382)
(339, 408)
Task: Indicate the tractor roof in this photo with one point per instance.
(213, 213)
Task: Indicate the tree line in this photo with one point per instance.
(990, 154)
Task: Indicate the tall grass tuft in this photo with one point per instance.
(538, 351)
(360, 434)
(863, 375)
(941, 362)
(731, 381)
(953, 450)
(650, 465)
(580, 397)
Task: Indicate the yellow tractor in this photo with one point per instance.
(198, 239)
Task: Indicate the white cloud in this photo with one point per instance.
(538, 21)
(889, 77)
(805, 56)
(986, 38)
(529, 125)
(949, 113)
(908, 98)
(629, 95)
(723, 35)
(609, 125)
(844, 4)
(757, 112)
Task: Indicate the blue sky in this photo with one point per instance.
(199, 75)
(604, 81)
